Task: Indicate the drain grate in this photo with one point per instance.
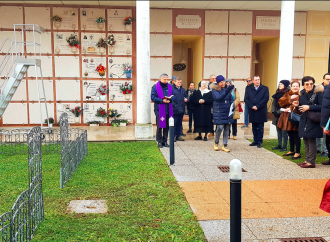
(312, 239)
(226, 169)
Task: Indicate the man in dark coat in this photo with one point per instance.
(256, 99)
(181, 98)
(249, 83)
(163, 109)
(325, 116)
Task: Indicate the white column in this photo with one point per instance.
(143, 127)
(285, 55)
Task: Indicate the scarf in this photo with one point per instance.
(162, 107)
(190, 92)
(277, 97)
(204, 91)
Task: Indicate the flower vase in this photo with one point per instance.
(100, 25)
(103, 97)
(129, 75)
(111, 49)
(128, 27)
(57, 24)
(50, 125)
(77, 120)
(101, 50)
(74, 49)
(102, 73)
(122, 124)
(127, 97)
(102, 120)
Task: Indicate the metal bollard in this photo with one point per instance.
(171, 124)
(235, 200)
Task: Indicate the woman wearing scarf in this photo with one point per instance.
(283, 87)
(190, 106)
(202, 101)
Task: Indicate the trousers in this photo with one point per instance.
(218, 131)
(258, 132)
(162, 133)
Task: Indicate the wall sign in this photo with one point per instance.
(267, 22)
(188, 21)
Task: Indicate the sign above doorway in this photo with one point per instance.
(268, 22)
(188, 21)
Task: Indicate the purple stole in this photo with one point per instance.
(162, 108)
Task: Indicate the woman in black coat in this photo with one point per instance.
(190, 106)
(310, 100)
(202, 100)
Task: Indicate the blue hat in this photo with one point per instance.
(173, 77)
(228, 80)
(220, 78)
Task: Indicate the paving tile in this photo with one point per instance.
(258, 210)
(210, 211)
(187, 173)
(298, 209)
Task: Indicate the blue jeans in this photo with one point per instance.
(258, 132)
(178, 124)
(246, 116)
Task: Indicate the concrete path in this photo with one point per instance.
(279, 199)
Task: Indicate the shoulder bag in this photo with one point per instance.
(294, 118)
(315, 117)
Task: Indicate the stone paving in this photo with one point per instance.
(196, 171)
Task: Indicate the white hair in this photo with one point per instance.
(162, 75)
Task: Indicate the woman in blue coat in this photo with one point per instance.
(222, 100)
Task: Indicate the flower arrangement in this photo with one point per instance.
(101, 112)
(73, 40)
(113, 113)
(93, 122)
(128, 20)
(56, 18)
(100, 20)
(51, 120)
(127, 68)
(111, 40)
(126, 88)
(102, 43)
(100, 69)
(103, 89)
(77, 111)
(123, 121)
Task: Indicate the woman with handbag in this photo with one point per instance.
(283, 87)
(285, 121)
(310, 104)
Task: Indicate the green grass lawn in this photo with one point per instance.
(270, 143)
(145, 201)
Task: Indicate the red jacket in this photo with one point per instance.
(325, 203)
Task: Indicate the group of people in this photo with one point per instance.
(298, 113)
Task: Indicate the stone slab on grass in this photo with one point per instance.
(87, 206)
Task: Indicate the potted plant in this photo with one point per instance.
(51, 122)
(77, 111)
(128, 70)
(113, 113)
(102, 113)
(122, 122)
(73, 43)
(111, 42)
(102, 44)
(57, 21)
(115, 122)
(103, 90)
(100, 22)
(93, 123)
(100, 69)
(127, 89)
(128, 21)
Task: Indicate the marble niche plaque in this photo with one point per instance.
(89, 43)
(115, 66)
(125, 109)
(65, 108)
(60, 44)
(116, 19)
(69, 17)
(89, 65)
(90, 90)
(88, 18)
(90, 111)
(115, 93)
(123, 45)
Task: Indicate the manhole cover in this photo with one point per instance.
(313, 239)
(226, 169)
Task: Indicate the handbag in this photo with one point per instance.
(315, 117)
(240, 109)
(294, 118)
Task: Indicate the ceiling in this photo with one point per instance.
(242, 5)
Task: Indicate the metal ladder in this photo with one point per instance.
(14, 66)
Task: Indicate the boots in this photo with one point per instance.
(225, 149)
(234, 137)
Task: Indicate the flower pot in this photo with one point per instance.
(74, 49)
(100, 25)
(128, 27)
(77, 120)
(115, 125)
(103, 97)
(111, 49)
(102, 119)
(122, 124)
(127, 96)
(101, 50)
(57, 24)
(129, 75)
(50, 125)
(102, 73)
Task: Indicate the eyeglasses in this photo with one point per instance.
(309, 84)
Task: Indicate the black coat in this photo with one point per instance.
(259, 99)
(325, 112)
(202, 111)
(189, 104)
(307, 128)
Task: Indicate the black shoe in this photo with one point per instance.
(179, 139)
(259, 145)
(296, 158)
(323, 154)
(160, 145)
(189, 131)
(318, 152)
(198, 138)
(166, 144)
(277, 147)
(205, 138)
(182, 134)
(253, 144)
(283, 149)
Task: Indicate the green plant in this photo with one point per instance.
(51, 121)
(113, 113)
(127, 68)
(73, 40)
(111, 40)
(77, 111)
(102, 43)
(126, 88)
(93, 122)
(123, 120)
(56, 18)
(128, 20)
(100, 20)
(100, 112)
